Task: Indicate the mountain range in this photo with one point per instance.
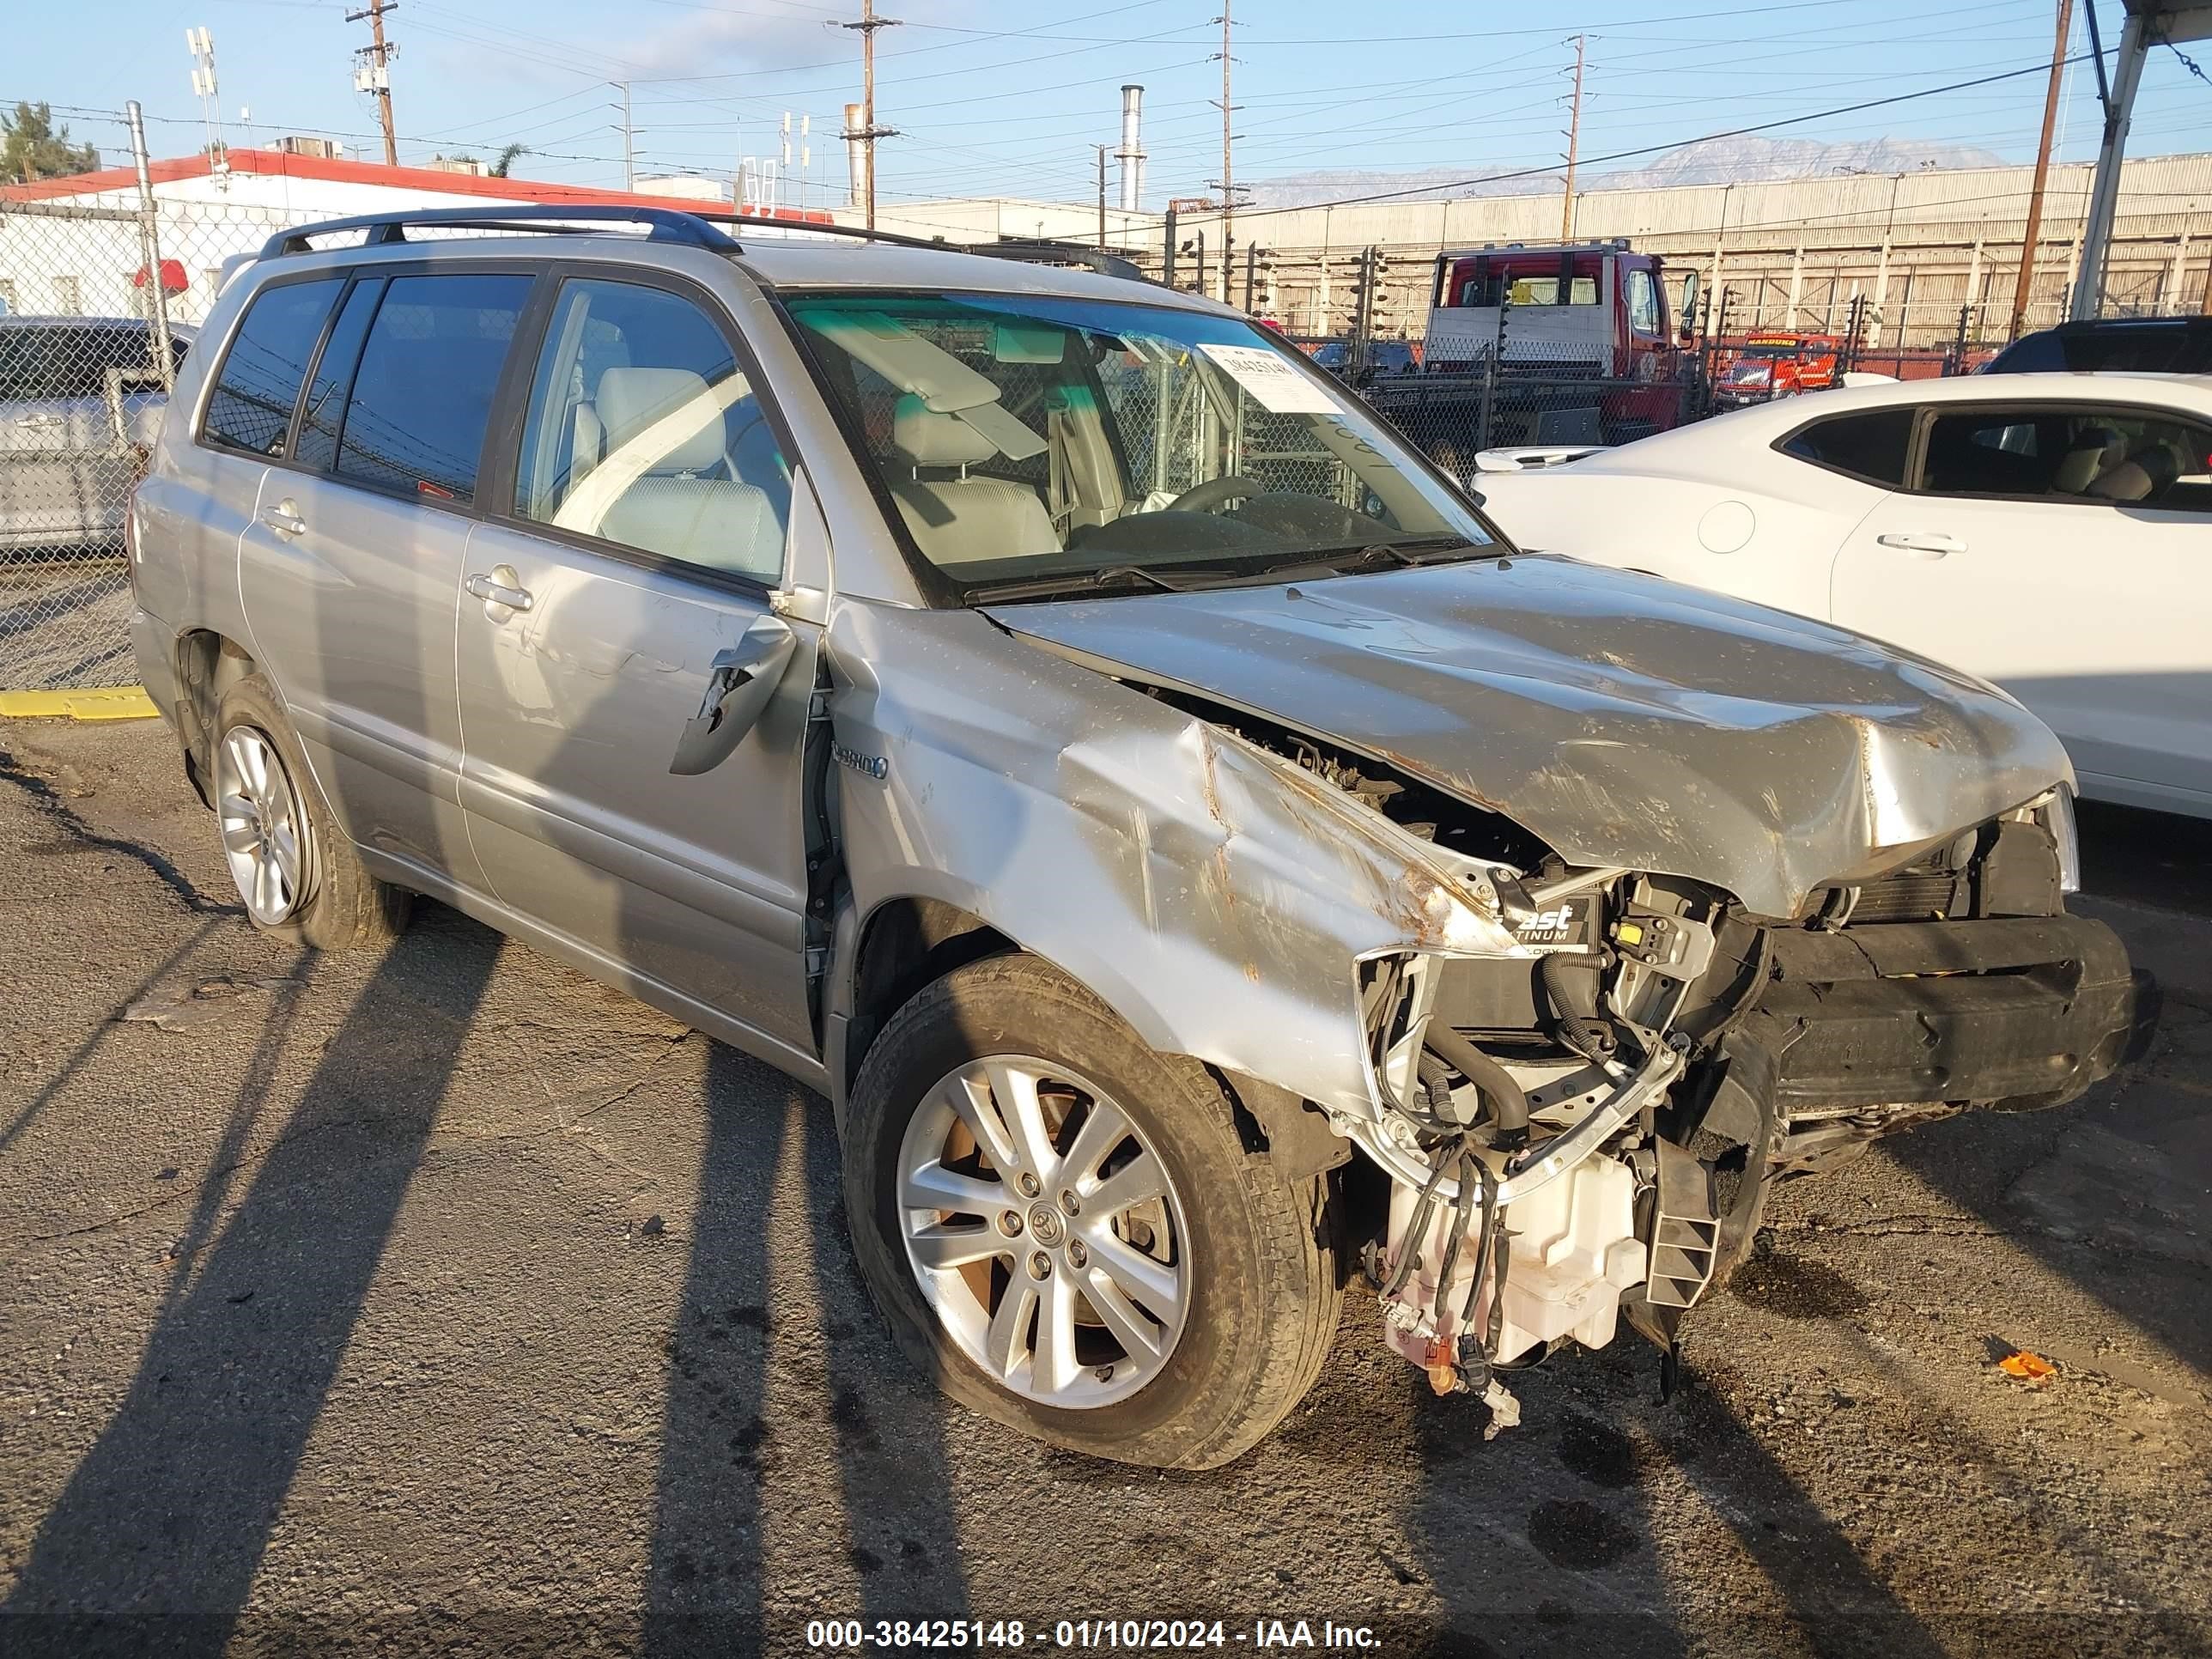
(1747, 159)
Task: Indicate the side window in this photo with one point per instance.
(1643, 302)
(2031, 354)
(643, 431)
(333, 382)
(35, 365)
(1870, 447)
(250, 407)
(2123, 457)
(421, 397)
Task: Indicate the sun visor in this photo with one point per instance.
(1015, 440)
(909, 362)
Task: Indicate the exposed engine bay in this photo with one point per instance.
(1586, 1131)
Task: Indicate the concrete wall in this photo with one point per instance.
(1919, 247)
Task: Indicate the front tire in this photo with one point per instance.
(1064, 1228)
(297, 874)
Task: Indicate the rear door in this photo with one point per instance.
(650, 502)
(350, 567)
(2064, 552)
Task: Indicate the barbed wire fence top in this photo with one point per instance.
(88, 293)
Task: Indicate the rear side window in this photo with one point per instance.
(422, 395)
(2180, 347)
(333, 382)
(251, 408)
(2121, 456)
(2033, 354)
(1870, 447)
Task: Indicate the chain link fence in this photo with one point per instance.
(1452, 416)
(99, 304)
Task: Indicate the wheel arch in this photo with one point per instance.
(208, 663)
(901, 944)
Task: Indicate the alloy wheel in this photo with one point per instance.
(263, 832)
(1044, 1231)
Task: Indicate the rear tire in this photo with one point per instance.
(1253, 1260)
(299, 877)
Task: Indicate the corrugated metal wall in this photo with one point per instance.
(1920, 247)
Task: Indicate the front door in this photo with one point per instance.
(650, 505)
(2062, 551)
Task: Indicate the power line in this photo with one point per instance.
(1654, 150)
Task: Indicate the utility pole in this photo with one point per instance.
(149, 243)
(2025, 280)
(1574, 139)
(630, 140)
(1101, 148)
(375, 73)
(867, 132)
(1228, 180)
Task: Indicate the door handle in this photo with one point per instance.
(1927, 546)
(38, 422)
(740, 682)
(501, 588)
(285, 518)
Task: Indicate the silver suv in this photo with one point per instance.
(1192, 852)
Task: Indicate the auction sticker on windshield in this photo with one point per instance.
(1273, 382)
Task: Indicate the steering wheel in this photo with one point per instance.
(1215, 493)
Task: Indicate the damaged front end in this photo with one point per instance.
(1583, 1034)
(1593, 1136)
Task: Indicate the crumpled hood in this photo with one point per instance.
(1625, 720)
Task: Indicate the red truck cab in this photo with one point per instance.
(1564, 312)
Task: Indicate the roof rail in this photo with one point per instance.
(1045, 252)
(859, 232)
(664, 225)
(695, 227)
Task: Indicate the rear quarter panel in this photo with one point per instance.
(189, 510)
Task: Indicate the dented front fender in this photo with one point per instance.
(1216, 897)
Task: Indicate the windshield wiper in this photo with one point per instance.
(1074, 582)
(1344, 559)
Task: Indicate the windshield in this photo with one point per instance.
(1032, 446)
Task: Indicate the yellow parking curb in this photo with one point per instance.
(106, 703)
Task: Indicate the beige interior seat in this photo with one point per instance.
(2095, 449)
(960, 520)
(669, 508)
(2143, 476)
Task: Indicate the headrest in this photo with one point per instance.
(923, 437)
(2094, 448)
(631, 399)
(2141, 477)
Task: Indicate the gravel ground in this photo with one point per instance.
(446, 1301)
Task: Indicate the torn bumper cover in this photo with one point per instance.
(2031, 1010)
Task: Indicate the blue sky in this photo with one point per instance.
(997, 99)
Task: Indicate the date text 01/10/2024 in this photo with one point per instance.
(1088, 1635)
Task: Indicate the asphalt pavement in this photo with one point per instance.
(443, 1301)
